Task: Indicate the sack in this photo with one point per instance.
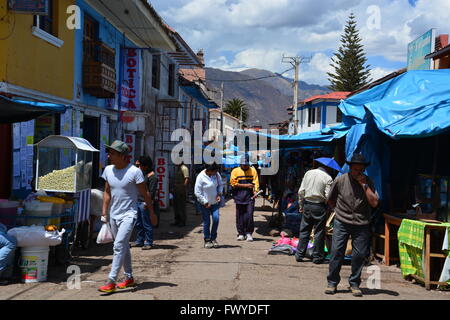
(105, 235)
(36, 236)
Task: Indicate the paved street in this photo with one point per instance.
(180, 268)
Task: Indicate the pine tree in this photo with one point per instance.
(233, 108)
(351, 73)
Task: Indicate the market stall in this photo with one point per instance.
(402, 127)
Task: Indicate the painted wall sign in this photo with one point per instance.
(131, 81)
(130, 140)
(162, 173)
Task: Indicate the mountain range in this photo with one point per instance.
(266, 94)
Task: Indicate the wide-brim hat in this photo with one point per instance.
(358, 158)
(119, 146)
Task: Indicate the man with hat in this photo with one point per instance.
(123, 183)
(353, 196)
(312, 196)
(245, 184)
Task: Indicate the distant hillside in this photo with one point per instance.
(266, 99)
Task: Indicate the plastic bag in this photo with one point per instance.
(105, 234)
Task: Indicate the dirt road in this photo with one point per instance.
(180, 268)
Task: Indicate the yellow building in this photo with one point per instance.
(37, 53)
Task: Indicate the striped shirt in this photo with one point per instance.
(239, 176)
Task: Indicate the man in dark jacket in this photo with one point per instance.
(353, 196)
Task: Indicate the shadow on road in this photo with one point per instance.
(140, 287)
(227, 246)
(371, 292)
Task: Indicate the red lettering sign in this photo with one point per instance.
(161, 162)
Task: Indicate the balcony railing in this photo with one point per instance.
(99, 72)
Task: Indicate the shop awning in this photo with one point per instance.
(13, 110)
(197, 94)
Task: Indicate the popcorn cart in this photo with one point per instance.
(64, 172)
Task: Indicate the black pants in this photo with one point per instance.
(244, 218)
(360, 250)
(314, 215)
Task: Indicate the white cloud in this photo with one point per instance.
(255, 33)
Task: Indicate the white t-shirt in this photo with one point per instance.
(124, 191)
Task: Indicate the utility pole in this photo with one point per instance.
(240, 119)
(221, 108)
(295, 62)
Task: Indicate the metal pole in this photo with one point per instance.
(297, 64)
(240, 119)
(221, 108)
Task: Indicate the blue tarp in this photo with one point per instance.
(12, 110)
(414, 104)
(197, 94)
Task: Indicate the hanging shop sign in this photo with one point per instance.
(419, 48)
(35, 7)
(162, 173)
(131, 81)
(130, 140)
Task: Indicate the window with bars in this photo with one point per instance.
(47, 23)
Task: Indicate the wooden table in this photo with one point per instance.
(391, 235)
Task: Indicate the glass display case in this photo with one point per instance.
(64, 164)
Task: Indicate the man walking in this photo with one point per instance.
(353, 196)
(144, 228)
(245, 184)
(123, 183)
(180, 195)
(313, 195)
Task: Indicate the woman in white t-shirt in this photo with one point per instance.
(208, 190)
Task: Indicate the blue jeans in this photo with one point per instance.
(144, 228)
(207, 213)
(7, 249)
(122, 228)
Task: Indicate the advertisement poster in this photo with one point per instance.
(162, 173)
(419, 48)
(23, 154)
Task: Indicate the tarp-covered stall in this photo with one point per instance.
(414, 105)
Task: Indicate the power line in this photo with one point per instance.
(276, 75)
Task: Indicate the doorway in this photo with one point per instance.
(91, 132)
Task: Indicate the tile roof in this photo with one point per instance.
(338, 95)
(193, 74)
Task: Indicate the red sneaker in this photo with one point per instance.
(126, 284)
(109, 288)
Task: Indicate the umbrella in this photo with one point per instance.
(329, 162)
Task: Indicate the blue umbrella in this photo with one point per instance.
(329, 162)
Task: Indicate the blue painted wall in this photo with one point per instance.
(109, 35)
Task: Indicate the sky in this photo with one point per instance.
(242, 34)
